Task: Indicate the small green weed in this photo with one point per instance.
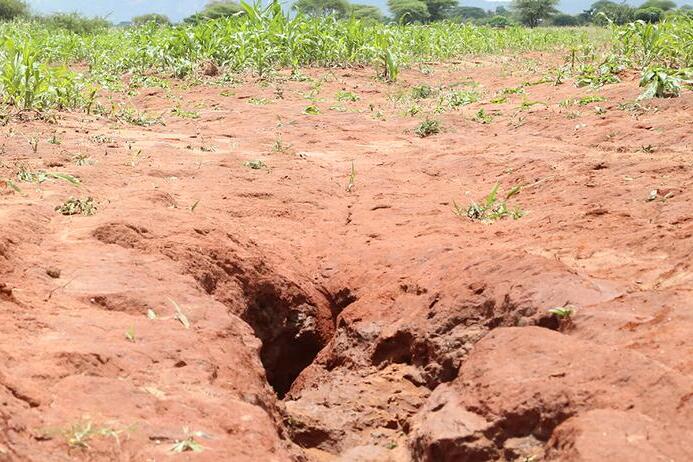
(352, 178)
(491, 208)
(132, 116)
(256, 101)
(255, 164)
(527, 104)
(482, 117)
(80, 434)
(459, 98)
(427, 128)
(279, 146)
(184, 114)
(582, 101)
(41, 176)
(562, 312)
(130, 335)
(343, 95)
(421, 92)
(81, 159)
(512, 91)
(76, 206)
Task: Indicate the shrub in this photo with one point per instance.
(156, 18)
(565, 20)
(214, 10)
(75, 22)
(650, 14)
(367, 12)
(11, 9)
(498, 21)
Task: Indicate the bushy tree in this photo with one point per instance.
(463, 13)
(420, 10)
(408, 11)
(439, 9)
(77, 23)
(650, 14)
(11, 9)
(366, 12)
(320, 8)
(664, 5)
(215, 9)
(533, 12)
(563, 19)
(604, 11)
(502, 11)
(156, 18)
(497, 21)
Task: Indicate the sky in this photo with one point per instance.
(124, 10)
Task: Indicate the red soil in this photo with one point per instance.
(389, 327)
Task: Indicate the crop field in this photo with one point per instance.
(276, 238)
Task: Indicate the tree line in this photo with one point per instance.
(530, 13)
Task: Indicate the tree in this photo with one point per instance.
(497, 21)
(77, 23)
(603, 11)
(664, 5)
(11, 9)
(215, 9)
(321, 8)
(366, 12)
(532, 12)
(462, 13)
(650, 14)
(563, 19)
(408, 11)
(439, 9)
(156, 18)
(420, 10)
(502, 11)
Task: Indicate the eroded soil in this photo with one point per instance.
(298, 312)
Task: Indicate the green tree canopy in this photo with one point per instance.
(10, 9)
(215, 9)
(151, 17)
(502, 11)
(664, 5)
(650, 14)
(603, 11)
(321, 8)
(563, 19)
(440, 9)
(498, 21)
(467, 12)
(420, 10)
(366, 12)
(77, 23)
(409, 11)
(533, 12)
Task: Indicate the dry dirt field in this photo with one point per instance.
(327, 303)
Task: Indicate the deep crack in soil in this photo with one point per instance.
(299, 312)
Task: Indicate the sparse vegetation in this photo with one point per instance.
(492, 208)
(255, 164)
(77, 206)
(80, 435)
(562, 312)
(427, 128)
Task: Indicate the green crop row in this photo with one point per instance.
(36, 60)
